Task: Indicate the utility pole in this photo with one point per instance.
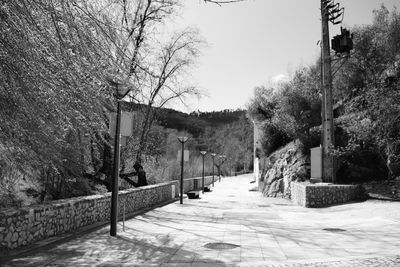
(328, 127)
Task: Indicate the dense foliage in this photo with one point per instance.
(367, 109)
(61, 63)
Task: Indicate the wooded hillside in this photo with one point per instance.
(366, 111)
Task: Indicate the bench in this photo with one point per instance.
(207, 189)
(193, 194)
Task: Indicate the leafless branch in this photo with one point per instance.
(223, 2)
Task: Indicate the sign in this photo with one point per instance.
(127, 119)
(316, 163)
(185, 155)
(127, 123)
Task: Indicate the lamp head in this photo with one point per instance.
(122, 91)
(122, 86)
(183, 139)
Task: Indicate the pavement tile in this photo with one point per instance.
(296, 256)
(251, 253)
(175, 264)
(180, 257)
(228, 258)
(268, 243)
(207, 257)
(267, 231)
(207, 264)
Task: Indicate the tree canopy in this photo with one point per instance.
(366, 96)
(60, 64)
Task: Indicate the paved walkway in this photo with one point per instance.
(235, 226)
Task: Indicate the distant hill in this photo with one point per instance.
(195, 122)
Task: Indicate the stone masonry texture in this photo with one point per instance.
(24, 226)
(322, 195)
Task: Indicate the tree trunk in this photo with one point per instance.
(107, 164)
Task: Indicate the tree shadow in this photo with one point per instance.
(103, 249)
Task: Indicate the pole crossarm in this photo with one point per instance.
(334, 13)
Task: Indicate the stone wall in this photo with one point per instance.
(20, 227)
(323, 194)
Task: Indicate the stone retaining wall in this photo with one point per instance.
(20, 227)
(322, 194)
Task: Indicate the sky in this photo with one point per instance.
(254, 42)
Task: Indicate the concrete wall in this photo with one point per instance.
(321, 195)
(20, 227)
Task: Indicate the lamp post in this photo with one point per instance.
(122, 91)
(203, 155)
(182, 140)
(213, 156)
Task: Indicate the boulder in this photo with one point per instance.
(286, 165)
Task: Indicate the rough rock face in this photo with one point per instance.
(284, 166)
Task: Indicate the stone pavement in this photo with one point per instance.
(235, 226)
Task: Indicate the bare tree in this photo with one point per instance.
(154, 69)
(166, 78)
(223, 1)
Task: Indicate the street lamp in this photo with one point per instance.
(213, 156)
(203, 155)
(182, 140)
(121, 92)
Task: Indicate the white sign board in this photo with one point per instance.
(127, 119)
(127, 123)
(185, 155)
(316, 163)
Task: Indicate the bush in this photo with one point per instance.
(9, 179)
(273, 138)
